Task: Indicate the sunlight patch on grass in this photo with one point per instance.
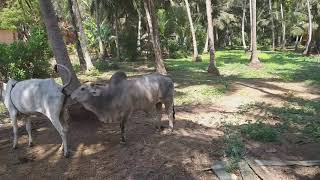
(199, 94)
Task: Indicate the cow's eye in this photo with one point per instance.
(82, 89)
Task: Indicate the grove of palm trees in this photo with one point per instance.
(244, 75)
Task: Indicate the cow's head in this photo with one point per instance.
(85, 92)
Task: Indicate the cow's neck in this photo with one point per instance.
(95, 107)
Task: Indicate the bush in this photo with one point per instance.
(25, 60)
(261, 132)
(103, 65)
(234, 150)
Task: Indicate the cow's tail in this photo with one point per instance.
(173, 112)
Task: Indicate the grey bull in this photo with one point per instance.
(36, 96)
(117, 100)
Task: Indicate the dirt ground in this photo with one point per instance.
(184, 154)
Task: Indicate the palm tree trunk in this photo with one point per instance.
(217, 34)
(296, 44)
(283, 27)
(242, 26)
(102, 52)
(306, 51)
(250, 8)
(154, 35)
(196, 56)
(82, 35)
(205, 49)
(212, 68)
(78, 44)
(139, 31)
(56, 41)
(272, 25)
(116, 26)
(254, 53)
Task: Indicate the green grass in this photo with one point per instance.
(234, 150)
(233, 64)
(193, 80)
(262, 132)
(297, 114)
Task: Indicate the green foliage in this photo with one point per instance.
(16, 13)
(234, 145)
(174, 31)
(313, 129)
(129, 43)
(234, 150)
(260, 131)
(22, 60)
(91, 32)
(103, 65)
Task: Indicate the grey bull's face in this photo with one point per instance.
(85, 92)
(82, 93)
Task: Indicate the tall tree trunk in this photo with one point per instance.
(242, 25)
(139, 31)
(306, 51)
(296, 44)
(254, 53)
(300, 40)
(102, 51)
(205, 49)
(283, 46)
(272, 25)
(212, 68)
(116, 26)
(250, 10)
(228, 37)
(196, 56)
(217, 35)
(278, 35)
(154, 35)
(78, 44)
(82, 35)
(56, 41)
(172, 3)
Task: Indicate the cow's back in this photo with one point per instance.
(35, 95)
(144, 92)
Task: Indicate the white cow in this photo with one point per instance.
(36, 96)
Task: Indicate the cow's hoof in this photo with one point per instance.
(15, 147)
(123, 142)
(160, 128)
(31, 144)
(67, 155)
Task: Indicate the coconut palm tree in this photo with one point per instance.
(212, 68)
(56, 41)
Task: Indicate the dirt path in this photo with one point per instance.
(184, 154)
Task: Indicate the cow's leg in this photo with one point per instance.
(65, 122)
(169, 108)
(28, 128)
(158, 115)
(123, 123)
(13, 116)
(62, 131)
